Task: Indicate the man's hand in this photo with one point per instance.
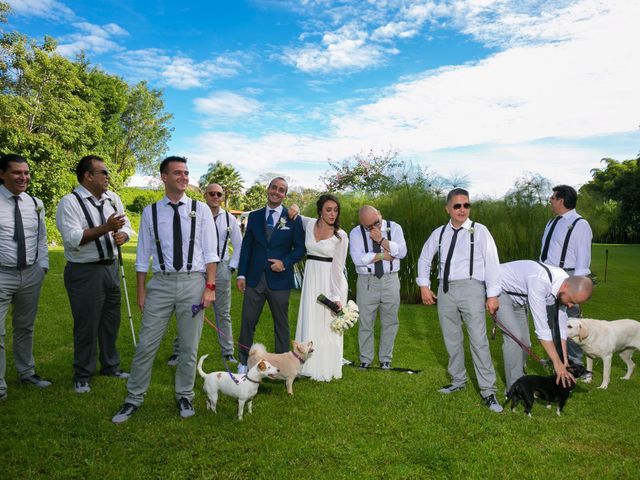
(492, 305)
(241, 283)
(293, 211)
(276, 265)
(142, 295)
(208, 297)
(120, 238)
(428, 297)
(115, 222)
(563, 375)
(376, 234)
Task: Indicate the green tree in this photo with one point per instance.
(372, 174)
(531, 189)
(225, 175)
(254, 197)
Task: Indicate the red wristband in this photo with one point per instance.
(211, 286)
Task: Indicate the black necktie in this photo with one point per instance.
(378, 267)
(447, 263)
(270, 220)
(107, 238)
(547, 241)
(18, 235)
(177, 238)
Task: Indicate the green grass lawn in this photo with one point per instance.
(370, 424)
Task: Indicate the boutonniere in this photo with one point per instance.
(228, 229)
(282, 224)
(192, 214)
(39, 209)
(388, 229)
(471, 230)
(570, 227)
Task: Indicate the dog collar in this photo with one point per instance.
(250, 379)
(298, 357)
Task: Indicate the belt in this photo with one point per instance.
(7, 267)
(108, 261)
(319, 259)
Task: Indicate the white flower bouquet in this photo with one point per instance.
(346, 317)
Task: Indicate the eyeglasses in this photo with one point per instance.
(373, 225)
(458, 206)
(215, 194)
(103, 172)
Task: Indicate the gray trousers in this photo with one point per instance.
(222, 308)
(514, 318)
(574, 351)
(166, 294)
(252, 305)
(465, 302)
(20, 288)
(378, 294)
(94, 295)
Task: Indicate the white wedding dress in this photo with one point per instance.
(314, 319)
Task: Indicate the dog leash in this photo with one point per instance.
(524, 347)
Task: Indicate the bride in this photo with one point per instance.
(326, 247)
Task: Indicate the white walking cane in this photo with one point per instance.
(126, 295)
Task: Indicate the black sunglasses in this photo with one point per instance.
(215, 194)
(103, 172)
(373, 225)
(458, 206)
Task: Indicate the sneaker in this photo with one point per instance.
(364, 365)
(185, 408)
(230, 359)
(36, 380)
(82, 387)
(125, 413)
(173, 360)
(3, 396)
(117, 374)
(451, 388)
(587, 377)
(242, 369)
(385, 365)
(491, 402)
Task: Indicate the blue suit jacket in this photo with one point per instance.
(286, 244)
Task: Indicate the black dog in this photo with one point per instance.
(530, 387)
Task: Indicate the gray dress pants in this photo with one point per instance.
(514, 318)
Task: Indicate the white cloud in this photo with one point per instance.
(92, 39)
(178, 71)
(582, 85)
(226, 104)
(50, 9)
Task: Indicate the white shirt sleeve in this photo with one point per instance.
(397, 247)
(146, 241)
(236, 241)
(537, 290)
(429, 250)
(583, 239)
(491, 263)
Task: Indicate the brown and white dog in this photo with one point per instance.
(600, 338)
(289, 363)
(244, 390)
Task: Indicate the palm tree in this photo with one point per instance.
(225, 175)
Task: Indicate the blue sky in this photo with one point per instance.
(493, 89)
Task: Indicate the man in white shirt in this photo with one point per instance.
(468, 269)
(529, 283)
(93, 225)
(228, 235)
(24, 261)
(566, 243)
(178, 235)
(376, 247)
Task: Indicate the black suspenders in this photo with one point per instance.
(35, 204)
(226, 238)
(525, 295)
(471, 247)
(565, 246)
(366, 244)
(192, 235)
(90, 223)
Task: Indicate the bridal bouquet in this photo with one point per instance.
(346, 317)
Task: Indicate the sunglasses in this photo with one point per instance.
(215, 194)
(458, 206)
(103, 172)
(373, 225)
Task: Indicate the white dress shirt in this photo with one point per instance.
(361, 259)
(72, 223)
(234, 240)
(486, 265)
(205, 241)
(579, 251)
(529, 278)
(33, 243)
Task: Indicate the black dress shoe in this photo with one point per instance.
(364, 365)
(385, 365)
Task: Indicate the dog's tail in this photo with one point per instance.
(200, 362)
(257, 349)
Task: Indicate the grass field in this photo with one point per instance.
(370, 424)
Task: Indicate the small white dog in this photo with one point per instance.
(244, 390)
(600, 338)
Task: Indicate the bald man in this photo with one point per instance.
(526, 282)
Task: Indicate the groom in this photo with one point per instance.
(272, 244)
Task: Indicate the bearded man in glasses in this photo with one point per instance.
(229, 241)
(376, 247)
(469, 273)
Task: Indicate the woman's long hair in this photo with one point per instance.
(324, 198)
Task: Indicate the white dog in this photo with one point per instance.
(244, 390)
(599, 338)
